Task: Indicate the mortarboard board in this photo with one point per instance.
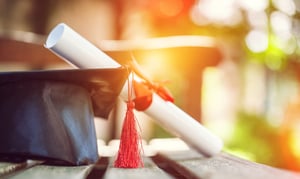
(49, 114)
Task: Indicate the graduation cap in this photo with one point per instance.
(49, 114)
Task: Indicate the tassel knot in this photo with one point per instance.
(130, 105)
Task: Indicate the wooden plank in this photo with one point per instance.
(8, 169)
(99, 169)
(193, 165)
(57, 172)
(150, 170)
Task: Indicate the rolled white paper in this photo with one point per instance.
(184, 126)
(76, 50)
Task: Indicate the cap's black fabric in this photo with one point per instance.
(104, 85)
(49, 114)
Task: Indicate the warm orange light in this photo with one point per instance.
(290, 136)
(156, 64)
(170, 8)
(295, 144)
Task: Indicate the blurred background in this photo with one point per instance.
(231, 64)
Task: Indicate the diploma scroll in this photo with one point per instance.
(76, 50)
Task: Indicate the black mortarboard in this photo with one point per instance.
(49, 114)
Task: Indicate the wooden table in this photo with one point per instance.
(163, 165)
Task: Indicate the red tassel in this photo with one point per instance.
(129, 151)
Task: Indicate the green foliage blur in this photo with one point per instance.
(254, 138)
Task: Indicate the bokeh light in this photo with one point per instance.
(258, 19)
(286, 6)
(281, 25)
(254, 5)
(257, 41)
(218, 11)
